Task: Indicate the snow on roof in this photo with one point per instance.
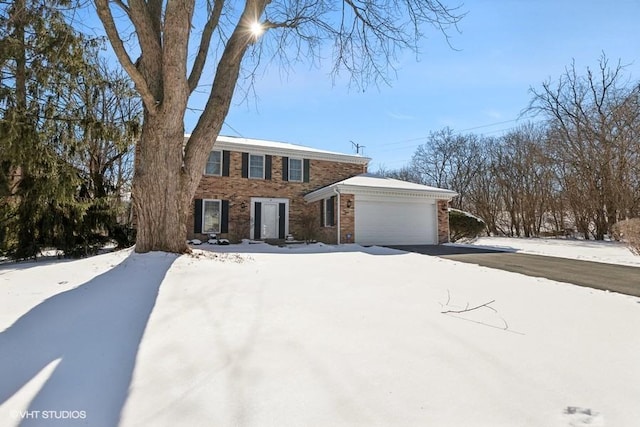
(285, 148)
(377, 181)
(275, 144)
(372, 182)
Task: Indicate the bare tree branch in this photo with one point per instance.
(104, 12)
(467, 308)
(224, 84)
(205, 41)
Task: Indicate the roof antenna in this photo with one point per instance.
(357, 147)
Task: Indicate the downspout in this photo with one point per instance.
(335, 190)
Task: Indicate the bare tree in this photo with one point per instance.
(523, 173)
(594, 119)
(404, 173)
(366, 35)
(448, 160)
(485, 194)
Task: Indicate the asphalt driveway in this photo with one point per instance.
(611, 277)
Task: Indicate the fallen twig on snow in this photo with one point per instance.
(468, 309)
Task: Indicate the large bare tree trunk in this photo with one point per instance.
(158, 193)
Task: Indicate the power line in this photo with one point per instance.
(404, 141)
(489, 125)
(200, 110)
(233, 129)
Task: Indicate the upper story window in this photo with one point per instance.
(256, 166)
(295, 170)
(214, 164)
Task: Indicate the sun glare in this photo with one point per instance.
(256, 29)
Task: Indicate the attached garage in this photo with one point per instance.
(373, 210)
(395, 221)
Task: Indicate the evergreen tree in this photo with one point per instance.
(50, 84)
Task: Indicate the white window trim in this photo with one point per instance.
(264, 160)
(221, 164)
(301, 169)
(204, 204)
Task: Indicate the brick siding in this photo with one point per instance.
(239, 191)
(347, 222)
(443, 221)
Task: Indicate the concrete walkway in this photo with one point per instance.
(611, 277)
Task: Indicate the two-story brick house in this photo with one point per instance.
(269, 190)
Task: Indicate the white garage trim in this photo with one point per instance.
(387, 211)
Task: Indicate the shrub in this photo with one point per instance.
(240, 230)
(464, 225)
(628, 231)
(124, 235)
(309, 226)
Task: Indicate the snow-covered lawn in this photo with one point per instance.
(586, 250)
(252, 335)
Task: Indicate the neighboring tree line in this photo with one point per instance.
(68, 123)
(577, 171)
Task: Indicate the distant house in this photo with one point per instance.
(265, 190)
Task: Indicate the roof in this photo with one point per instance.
(259, 146)
(379, 185)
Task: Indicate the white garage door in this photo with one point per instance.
(395, 222)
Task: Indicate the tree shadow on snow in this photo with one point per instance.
(94, 332)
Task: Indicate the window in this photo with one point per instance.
(211, 214)
(214, 163)
(256, 166)
(295, 170)
(328, 210)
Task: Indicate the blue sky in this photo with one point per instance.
(504, 47)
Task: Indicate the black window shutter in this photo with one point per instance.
(257, 220)
(331, 211)
(322, 202)
(285, 169)
(267, 167)
(226, 158)
(245, 165)
(197, 216)
(281, 220)
(305, 170)
(224, 220)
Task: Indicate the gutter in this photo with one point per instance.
(337, 191)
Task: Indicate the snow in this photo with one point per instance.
(587, 250)
(283, 147)
(467, 214)
(309, 335)
(276, 144)
(376, 181)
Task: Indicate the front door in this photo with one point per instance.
(269, 221)
(269, 218)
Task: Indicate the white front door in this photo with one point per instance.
(269, 218)
(269, 221)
